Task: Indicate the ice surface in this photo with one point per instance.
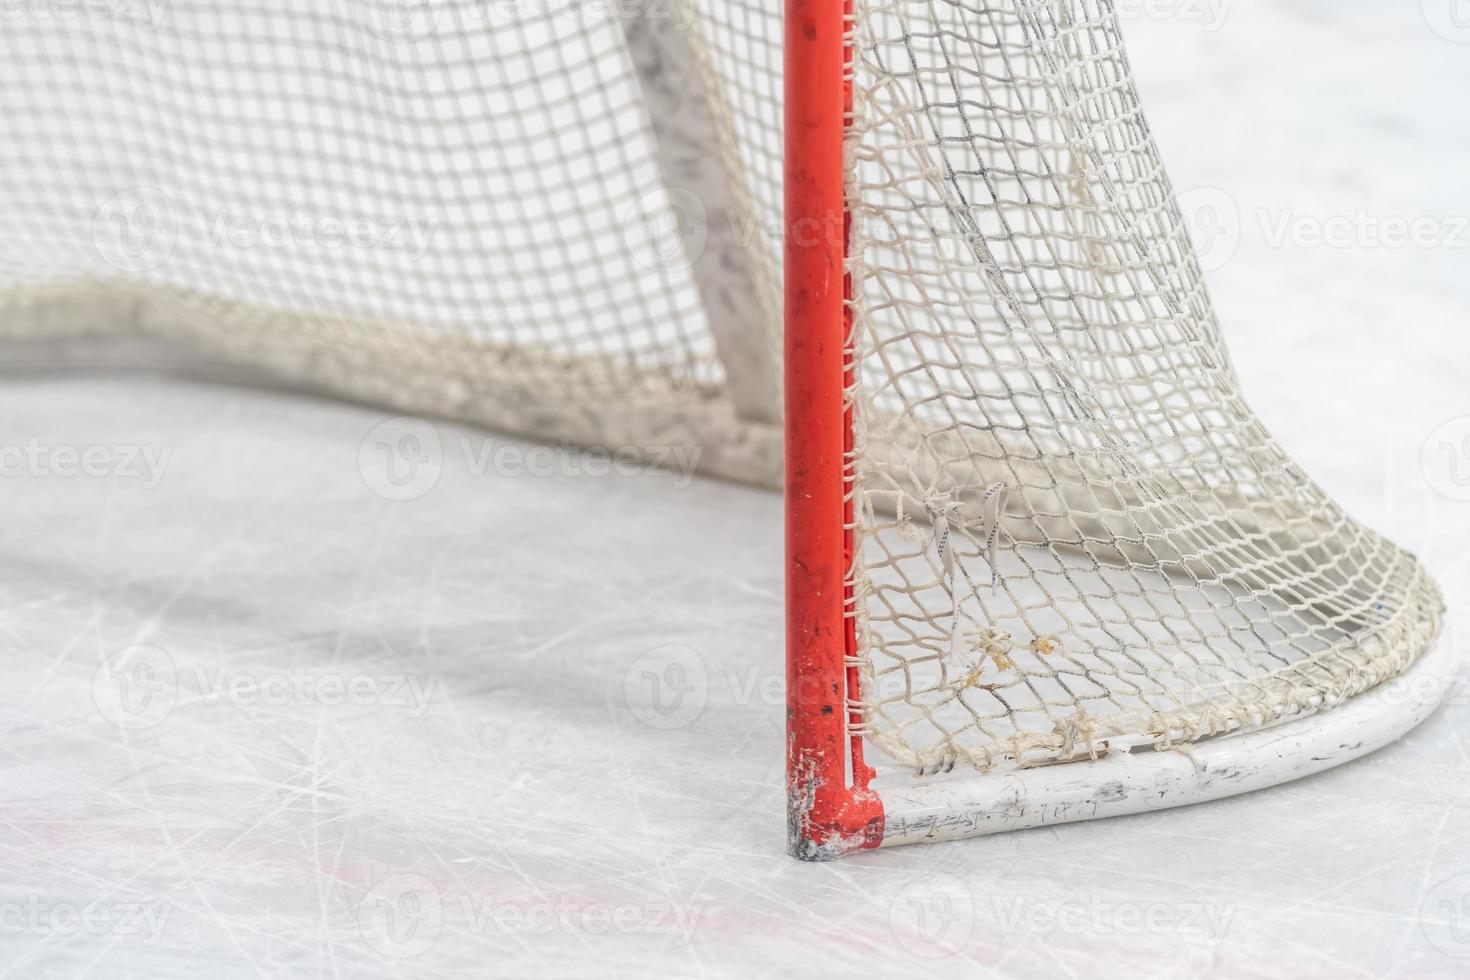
(258, 719)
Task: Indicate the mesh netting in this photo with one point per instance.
(456, 206)
(1070, 526)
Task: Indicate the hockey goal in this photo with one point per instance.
(1044, 563)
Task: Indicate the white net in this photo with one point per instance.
(1071, 528)
(456, 206)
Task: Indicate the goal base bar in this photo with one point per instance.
(1123, 783)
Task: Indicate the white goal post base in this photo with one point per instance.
(1122, 783)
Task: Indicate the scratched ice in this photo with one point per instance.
(261, 718)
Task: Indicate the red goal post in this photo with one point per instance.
(829, 805)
